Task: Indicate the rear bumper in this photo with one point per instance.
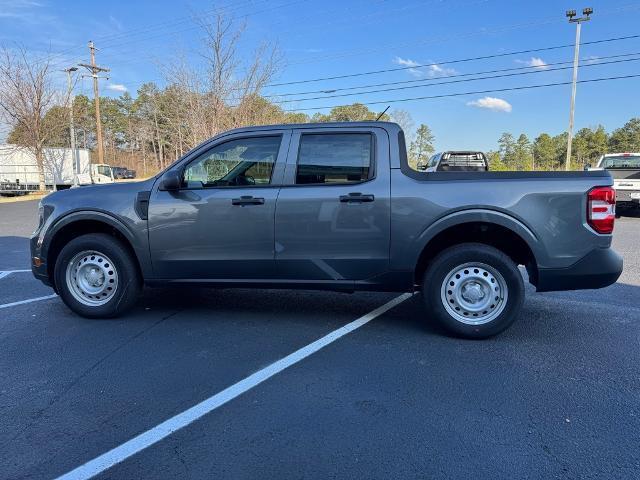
(599, 268)
(624, 196)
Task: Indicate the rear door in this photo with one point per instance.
(332, 218)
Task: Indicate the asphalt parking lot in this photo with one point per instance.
(556, 396)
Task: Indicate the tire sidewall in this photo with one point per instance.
(128, 276)
(473, 253)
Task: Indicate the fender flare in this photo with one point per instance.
(482, 215)
(95, 215)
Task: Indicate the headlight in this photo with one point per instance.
(43, 213)
(40, 216)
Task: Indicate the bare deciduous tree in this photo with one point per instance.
(26, 94)
(223, 91)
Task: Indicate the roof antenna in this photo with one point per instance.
(385, 111)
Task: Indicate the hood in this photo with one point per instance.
(107, 196)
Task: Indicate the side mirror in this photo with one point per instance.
(171, 181)
(587, 166)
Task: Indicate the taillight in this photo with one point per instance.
(601, 209)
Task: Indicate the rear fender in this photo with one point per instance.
(485, 216)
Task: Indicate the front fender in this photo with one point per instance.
(137, 242)
(95, 215)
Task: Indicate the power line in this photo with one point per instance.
(445, 62)
(246, 15)
(230, 7)
(159, 25)
(517, 71)
(442, 39)
(513, 74)
(450, 62)
(484, 31)
(432, 79)
(477, 92)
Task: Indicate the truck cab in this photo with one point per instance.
(98, 173)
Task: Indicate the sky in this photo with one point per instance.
(329, 38)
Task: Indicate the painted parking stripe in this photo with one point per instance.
(181, 420)
(5, 273)
(28, 300)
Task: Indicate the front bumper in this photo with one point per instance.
(599, 268)
(40, 271)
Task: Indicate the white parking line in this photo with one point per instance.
(5, 273)
(181, 420)
(28, 300)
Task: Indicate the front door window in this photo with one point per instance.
(236, 163)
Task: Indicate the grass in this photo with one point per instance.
(24, 198)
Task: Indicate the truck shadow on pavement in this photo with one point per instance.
(546, 318)
(542, 314)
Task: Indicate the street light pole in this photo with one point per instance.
(72, 132)
(578, 21)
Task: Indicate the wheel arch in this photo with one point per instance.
(81, 223)
(488, 227)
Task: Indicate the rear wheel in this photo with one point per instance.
(473, 290)
(96, 276)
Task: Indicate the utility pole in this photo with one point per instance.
(94, 69)
(72, 133)
(571, 14)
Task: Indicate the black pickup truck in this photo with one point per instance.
(456, 161)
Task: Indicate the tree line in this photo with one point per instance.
(548, 152)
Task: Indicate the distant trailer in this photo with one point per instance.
(19, 170)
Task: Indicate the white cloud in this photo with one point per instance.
(430, 69)
(409, 63)
(117, 87)
(406, 62)
(491, 103)
(436, 70)
(535, 62)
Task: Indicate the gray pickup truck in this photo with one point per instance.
(330, 206)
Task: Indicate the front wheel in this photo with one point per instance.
(96, 276)
(473, 290)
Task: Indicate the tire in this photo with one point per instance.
(456, 288)
(96, 276)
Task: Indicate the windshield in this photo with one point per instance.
(621, 161)
(104, 170)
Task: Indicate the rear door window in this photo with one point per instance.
(332, 159)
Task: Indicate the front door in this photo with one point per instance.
(220, 224)
(332, 216)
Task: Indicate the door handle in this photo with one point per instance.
(247, 200)
(357, 197)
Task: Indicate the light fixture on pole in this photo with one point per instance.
(571, 15)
